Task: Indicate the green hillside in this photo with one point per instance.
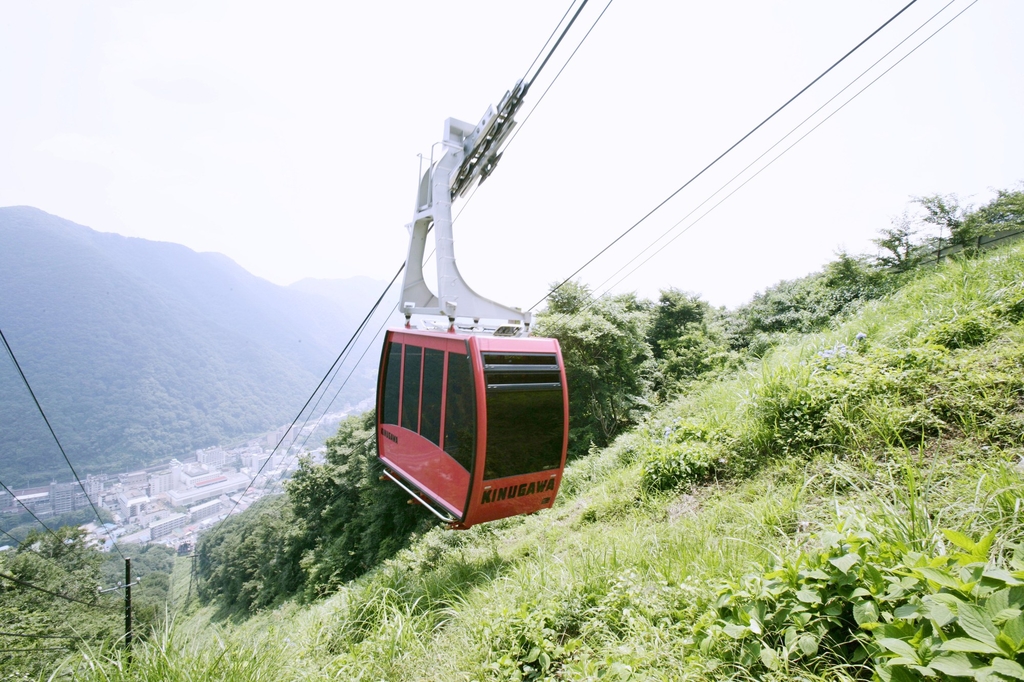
(846, 507)
(142, 351)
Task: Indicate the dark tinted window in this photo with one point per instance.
(525, 413)
(392, 376)
(524, 431)
(460, 411)
(430, 414)
(549, 359)
(411, 388)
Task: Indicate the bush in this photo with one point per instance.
(966, 331)
(863, 600)
(678, 465)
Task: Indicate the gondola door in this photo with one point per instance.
(426, 416)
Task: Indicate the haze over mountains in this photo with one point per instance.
(141, 351)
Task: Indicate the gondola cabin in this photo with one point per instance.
(473, 426)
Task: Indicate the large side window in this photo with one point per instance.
(460, 411)
(411, 388)
(392, 384)
(525, 414)
(433, 377)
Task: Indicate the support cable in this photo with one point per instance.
(723, 154)
(548, 41)
(595, 296)
(57, 441)
(540, 99)
(23, 583)
(33, 514)
(32, 636)
(519, 127)
(52, 560)
(317, 389)
(555, 46)
(342, 386)
(783, 152)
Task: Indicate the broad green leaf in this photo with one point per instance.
(770, 658)
(736, 631)
(817, 574)
(860, 592)
(808, 645)
(1002, 576)
(984, 545)
(950, 600)
(997, 602)
(960, 540)
(865, 612)
(845, 563)
(899, 647)
(1008, 646)
(939, 613)
(1014, 630)
(968, 644)
(977, 624)
(808, 597)
(907, 611)
(939, 577)
(1005, 616)
(953, 664)
(1005, 666)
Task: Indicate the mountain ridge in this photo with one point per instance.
(141, 350)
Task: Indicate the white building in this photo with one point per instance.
(205, 510)
(160, 482)
(165, 527)
(207, 489)
(131, 506)
(212, 457)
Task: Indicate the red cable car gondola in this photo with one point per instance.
(476, 426)
(472, 416)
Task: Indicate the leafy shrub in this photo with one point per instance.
(965, 331)
(867, 601)
(678, 464)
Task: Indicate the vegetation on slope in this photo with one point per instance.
(141, 351)
(846, 507)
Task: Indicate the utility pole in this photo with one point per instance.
(128, 607)
(127, 585)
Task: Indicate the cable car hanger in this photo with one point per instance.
(470, 154)
(472, 413)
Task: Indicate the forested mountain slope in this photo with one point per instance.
(834, 498)
(140, 350)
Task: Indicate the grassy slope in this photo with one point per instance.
(614, 582)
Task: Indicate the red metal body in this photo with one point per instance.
(465, 491)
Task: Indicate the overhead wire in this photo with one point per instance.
(52, 560)
(797, 141)
(548, 41)
(515, 133)
(723, 154)
(318, 387)
(555, 46)
(32, 513)
(337, 393)
(596, 296)
(519, 126)
(57, 441)
(26, 584)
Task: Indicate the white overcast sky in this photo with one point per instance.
(285, 135)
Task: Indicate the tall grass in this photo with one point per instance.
(910, 430)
